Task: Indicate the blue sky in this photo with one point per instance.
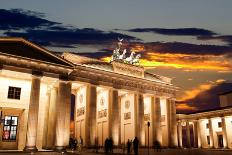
(111, 14)
(189, 41)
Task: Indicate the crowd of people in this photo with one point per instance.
(76, 144)
(134, 144)
(131, 145)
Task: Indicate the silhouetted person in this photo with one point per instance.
(74, 144)
(106, 145)
(136, 145)
(157, 146)
(111, 145)
(71, 145)
(128, 146)
(96, 144)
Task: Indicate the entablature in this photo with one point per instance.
(121, 81)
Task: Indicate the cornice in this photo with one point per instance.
(206, 115)
(27, 63)
(120, 81)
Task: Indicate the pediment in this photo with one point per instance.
(23, 48)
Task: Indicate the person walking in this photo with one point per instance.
(111, 145)
(128, 146)
(106, 145)
(136, 145)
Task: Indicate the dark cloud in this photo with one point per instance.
(224, 38)
(172, 48)
(69, 37)
(97, 55)
(177, 31)
(183, 48)
(208, 99)
(21, 19)
(35, 28)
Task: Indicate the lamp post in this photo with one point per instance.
(1, 119)
(148, 125)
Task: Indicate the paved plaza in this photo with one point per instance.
(141, 152)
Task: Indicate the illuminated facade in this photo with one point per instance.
(111, 100)
(207, 129)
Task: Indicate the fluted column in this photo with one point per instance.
(51, 132)
(113, 117)
(212, 144)
(188, 134)
(139, 118)
(199, 133)
(90, 117)
(33, 115)
(155, 119)
(224, 133)
(195, 133)
(172, 128)
(60, 117)
(68, 113)
(179, 129)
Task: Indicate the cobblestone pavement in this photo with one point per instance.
(141, 152)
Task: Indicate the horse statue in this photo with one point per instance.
(130, 58)
(115, 55)
(136, 59)
(123, 55)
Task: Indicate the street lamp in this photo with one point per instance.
(148, 125)
(1, 119)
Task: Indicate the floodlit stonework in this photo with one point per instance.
(207, 129)
(111, 100)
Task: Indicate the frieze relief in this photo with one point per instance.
(127, 115)
(102, 113)
(80, 111)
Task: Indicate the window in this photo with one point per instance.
(207, 125)
(10, 128)
(14, 93)
(208, 140)
(219, 124)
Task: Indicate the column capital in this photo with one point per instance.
(64, 77)
(36, 73)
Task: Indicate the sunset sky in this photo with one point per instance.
(189, 41)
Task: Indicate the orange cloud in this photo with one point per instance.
(185, 106)
(186, 61)
(190, 94)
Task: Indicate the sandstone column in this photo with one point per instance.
(179, 134)
(155, 119)
(188, 134)
(51, 119)
(22, 129)
(195, 133)
(113, 117)
(172, 127)
(224, 133)
(139, 118)
(33, 115)
(68, 113)
(60, 117)
(90, 117)
(199, 133)
(211, 133)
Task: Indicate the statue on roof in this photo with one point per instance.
(117, 56)
(136, 59)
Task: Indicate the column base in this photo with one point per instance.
(60, 148)
(30, 149)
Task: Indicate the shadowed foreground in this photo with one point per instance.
(141, 152)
